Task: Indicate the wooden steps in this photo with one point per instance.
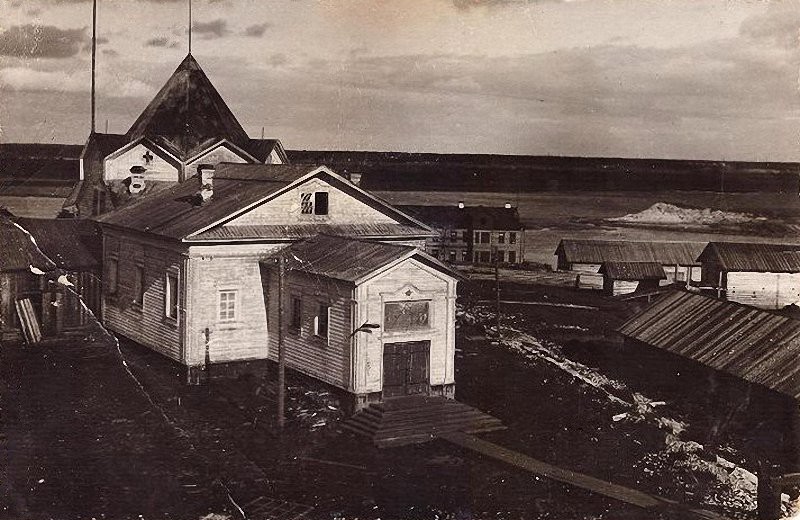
(418, 419)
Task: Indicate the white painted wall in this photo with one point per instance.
(159, 169)
(763, 290)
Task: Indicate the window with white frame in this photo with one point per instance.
(321, 321)
(171, 295)
(227, 305)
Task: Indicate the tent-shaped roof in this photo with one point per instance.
(188, 113)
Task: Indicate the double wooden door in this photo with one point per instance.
(406, 368)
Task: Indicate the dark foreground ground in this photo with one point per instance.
(92, 431)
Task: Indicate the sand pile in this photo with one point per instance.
(662, 213)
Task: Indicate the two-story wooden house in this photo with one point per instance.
(190, 272)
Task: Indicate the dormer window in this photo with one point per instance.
(314, 203)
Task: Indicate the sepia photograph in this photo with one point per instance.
(399, 259)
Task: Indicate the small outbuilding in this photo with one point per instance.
(628, 277)
(762, 275)
(678, 259)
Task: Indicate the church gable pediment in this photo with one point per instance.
(158, 164)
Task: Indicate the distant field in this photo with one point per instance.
(549, 217)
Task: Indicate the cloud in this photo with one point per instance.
(213, 29)
(161, 41)
(41, 41)
(258, 30)
(30, 80)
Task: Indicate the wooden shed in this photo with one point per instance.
(762, 275)
(678, 259)
(55, 247)
(627, 277)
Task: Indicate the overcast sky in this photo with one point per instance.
(633, 78)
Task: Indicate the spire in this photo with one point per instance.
(188, 114)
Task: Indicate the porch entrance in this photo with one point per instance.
(405, 368)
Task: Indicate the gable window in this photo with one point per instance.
(171, 296)
(402, 316)
(296, 319)
(113, 275)
(314, 203)
(321, 321)
(227, 306)
(138, 286)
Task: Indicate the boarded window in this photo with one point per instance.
(227, 305)
(171, 296)
(296, 320)
(139, 285)
(113, 273)
(399, 316)
(321, 203)
(306, 203)
(321, 321)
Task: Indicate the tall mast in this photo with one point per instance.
(94, 61)
(190, 26)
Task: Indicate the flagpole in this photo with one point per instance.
(94, 62)
(190, 26)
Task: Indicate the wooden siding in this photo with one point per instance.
(223, 153)
(226, 267)
(145, 324)
(585, 268)
(423, 283)
(13, 286)
(285, 209)
(159, 169)
(763, 290)
(328, 361)
(618, 287)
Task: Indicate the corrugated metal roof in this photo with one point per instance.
(633, 270)
(737, 256)
(298, 231)
(349, 259)
(755, 345)
(175, 212)
(601, 251)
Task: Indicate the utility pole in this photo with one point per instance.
(497, 290)
(281, 346)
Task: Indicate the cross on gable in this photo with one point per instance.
(147, 157)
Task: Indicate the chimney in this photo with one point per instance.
(508, 205)
(137, 179)
(460, 204)
(205, 174)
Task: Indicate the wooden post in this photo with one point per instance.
(497, 291)
(281, 348)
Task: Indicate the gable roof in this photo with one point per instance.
(188, 113)
(739, 256)
(601, 251)
(348, 259)
(478, 217)
(755, 345)
(36, 163)
(633, 270)
(174, 212)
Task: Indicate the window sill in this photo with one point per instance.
(320, 341)
(172, 322)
